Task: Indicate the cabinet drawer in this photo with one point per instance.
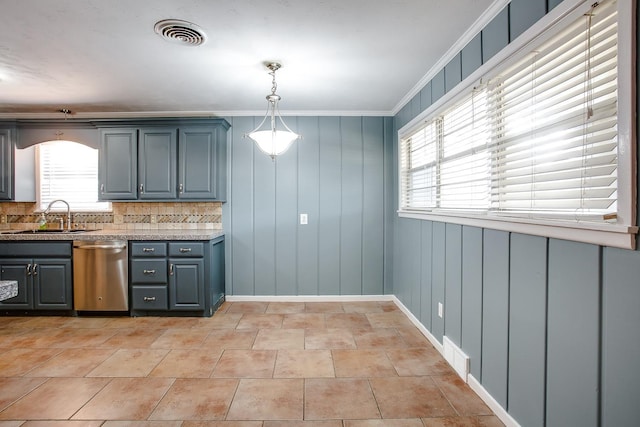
(149, 298)
(148, 271)
(187, 249)
(148, 249)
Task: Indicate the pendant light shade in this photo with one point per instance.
(276, 138)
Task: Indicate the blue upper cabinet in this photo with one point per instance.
(157, 163)
(6, 164)
(201, 164)
(164, 160)
(117, 164)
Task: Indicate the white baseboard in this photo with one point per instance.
(491, 402)
(437, 344)
(308, 298)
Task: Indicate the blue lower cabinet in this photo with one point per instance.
(176, 277)
(149, 297)
(43, 272)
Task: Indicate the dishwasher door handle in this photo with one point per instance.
(101, 247)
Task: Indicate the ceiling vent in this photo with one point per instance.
(178, 31)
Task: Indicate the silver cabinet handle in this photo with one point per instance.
(180, 188)
(148, 249)
(102, 188)
(185, 250)
(149, 299)
(34, 269)
(170, 269)
(28, 269)
(148, 272)
(141, 187)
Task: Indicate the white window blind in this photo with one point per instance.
(538, 140)
(554, 121)
(68, 171)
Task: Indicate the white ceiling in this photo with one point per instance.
(338, 56)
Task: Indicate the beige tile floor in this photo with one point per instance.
(253, 364)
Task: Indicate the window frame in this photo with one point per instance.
(620, 234)
(60, 207)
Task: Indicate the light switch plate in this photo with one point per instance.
(304, 219)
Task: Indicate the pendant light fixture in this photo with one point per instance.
(273, 140)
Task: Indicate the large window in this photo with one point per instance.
(69, 171)
(535, 140)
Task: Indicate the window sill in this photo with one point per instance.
(615, 235)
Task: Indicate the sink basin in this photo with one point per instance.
(55, 230)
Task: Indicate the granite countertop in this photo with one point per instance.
(115, 235)
(8, 289)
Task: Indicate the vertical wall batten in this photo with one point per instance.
(351, 215)
(330, 206)
(426, 274)
(373, 206)
(286, 218)
(573, 337)
(471, 300)
(242, 208)
(620, 337)
(527, 328)
(309, 203)
(453, 284)
(495, 314)
(438, 277)
(265, 219)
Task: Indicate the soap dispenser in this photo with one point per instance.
(42, 222)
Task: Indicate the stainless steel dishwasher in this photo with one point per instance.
(100, 276)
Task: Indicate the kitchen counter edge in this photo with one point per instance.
(116, 235)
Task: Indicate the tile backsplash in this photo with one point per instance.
(124, 216)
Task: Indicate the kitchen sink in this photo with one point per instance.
(55, 230)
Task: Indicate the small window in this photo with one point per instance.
(68, 171)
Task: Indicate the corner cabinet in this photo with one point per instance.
(176, 277)
(6, 163)
(43, 272)
(164, 161)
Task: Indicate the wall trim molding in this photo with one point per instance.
(491, 402)
(308, 298)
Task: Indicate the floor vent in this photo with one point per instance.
(456, 358)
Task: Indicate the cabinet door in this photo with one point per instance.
(6, 165)
(157, 164)
(197, 170)
(52, 284)
(217, 272)
(117, 164)
(186, 284)
(19, 270)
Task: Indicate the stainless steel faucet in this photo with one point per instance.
(46, 211)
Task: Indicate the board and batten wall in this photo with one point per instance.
(552, 327)
(339, 175)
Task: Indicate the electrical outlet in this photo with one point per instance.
(3, 219)
(440, 309)
(152, 219)
(304, 219)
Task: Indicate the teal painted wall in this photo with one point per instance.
(552, 327)
(339, 175)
